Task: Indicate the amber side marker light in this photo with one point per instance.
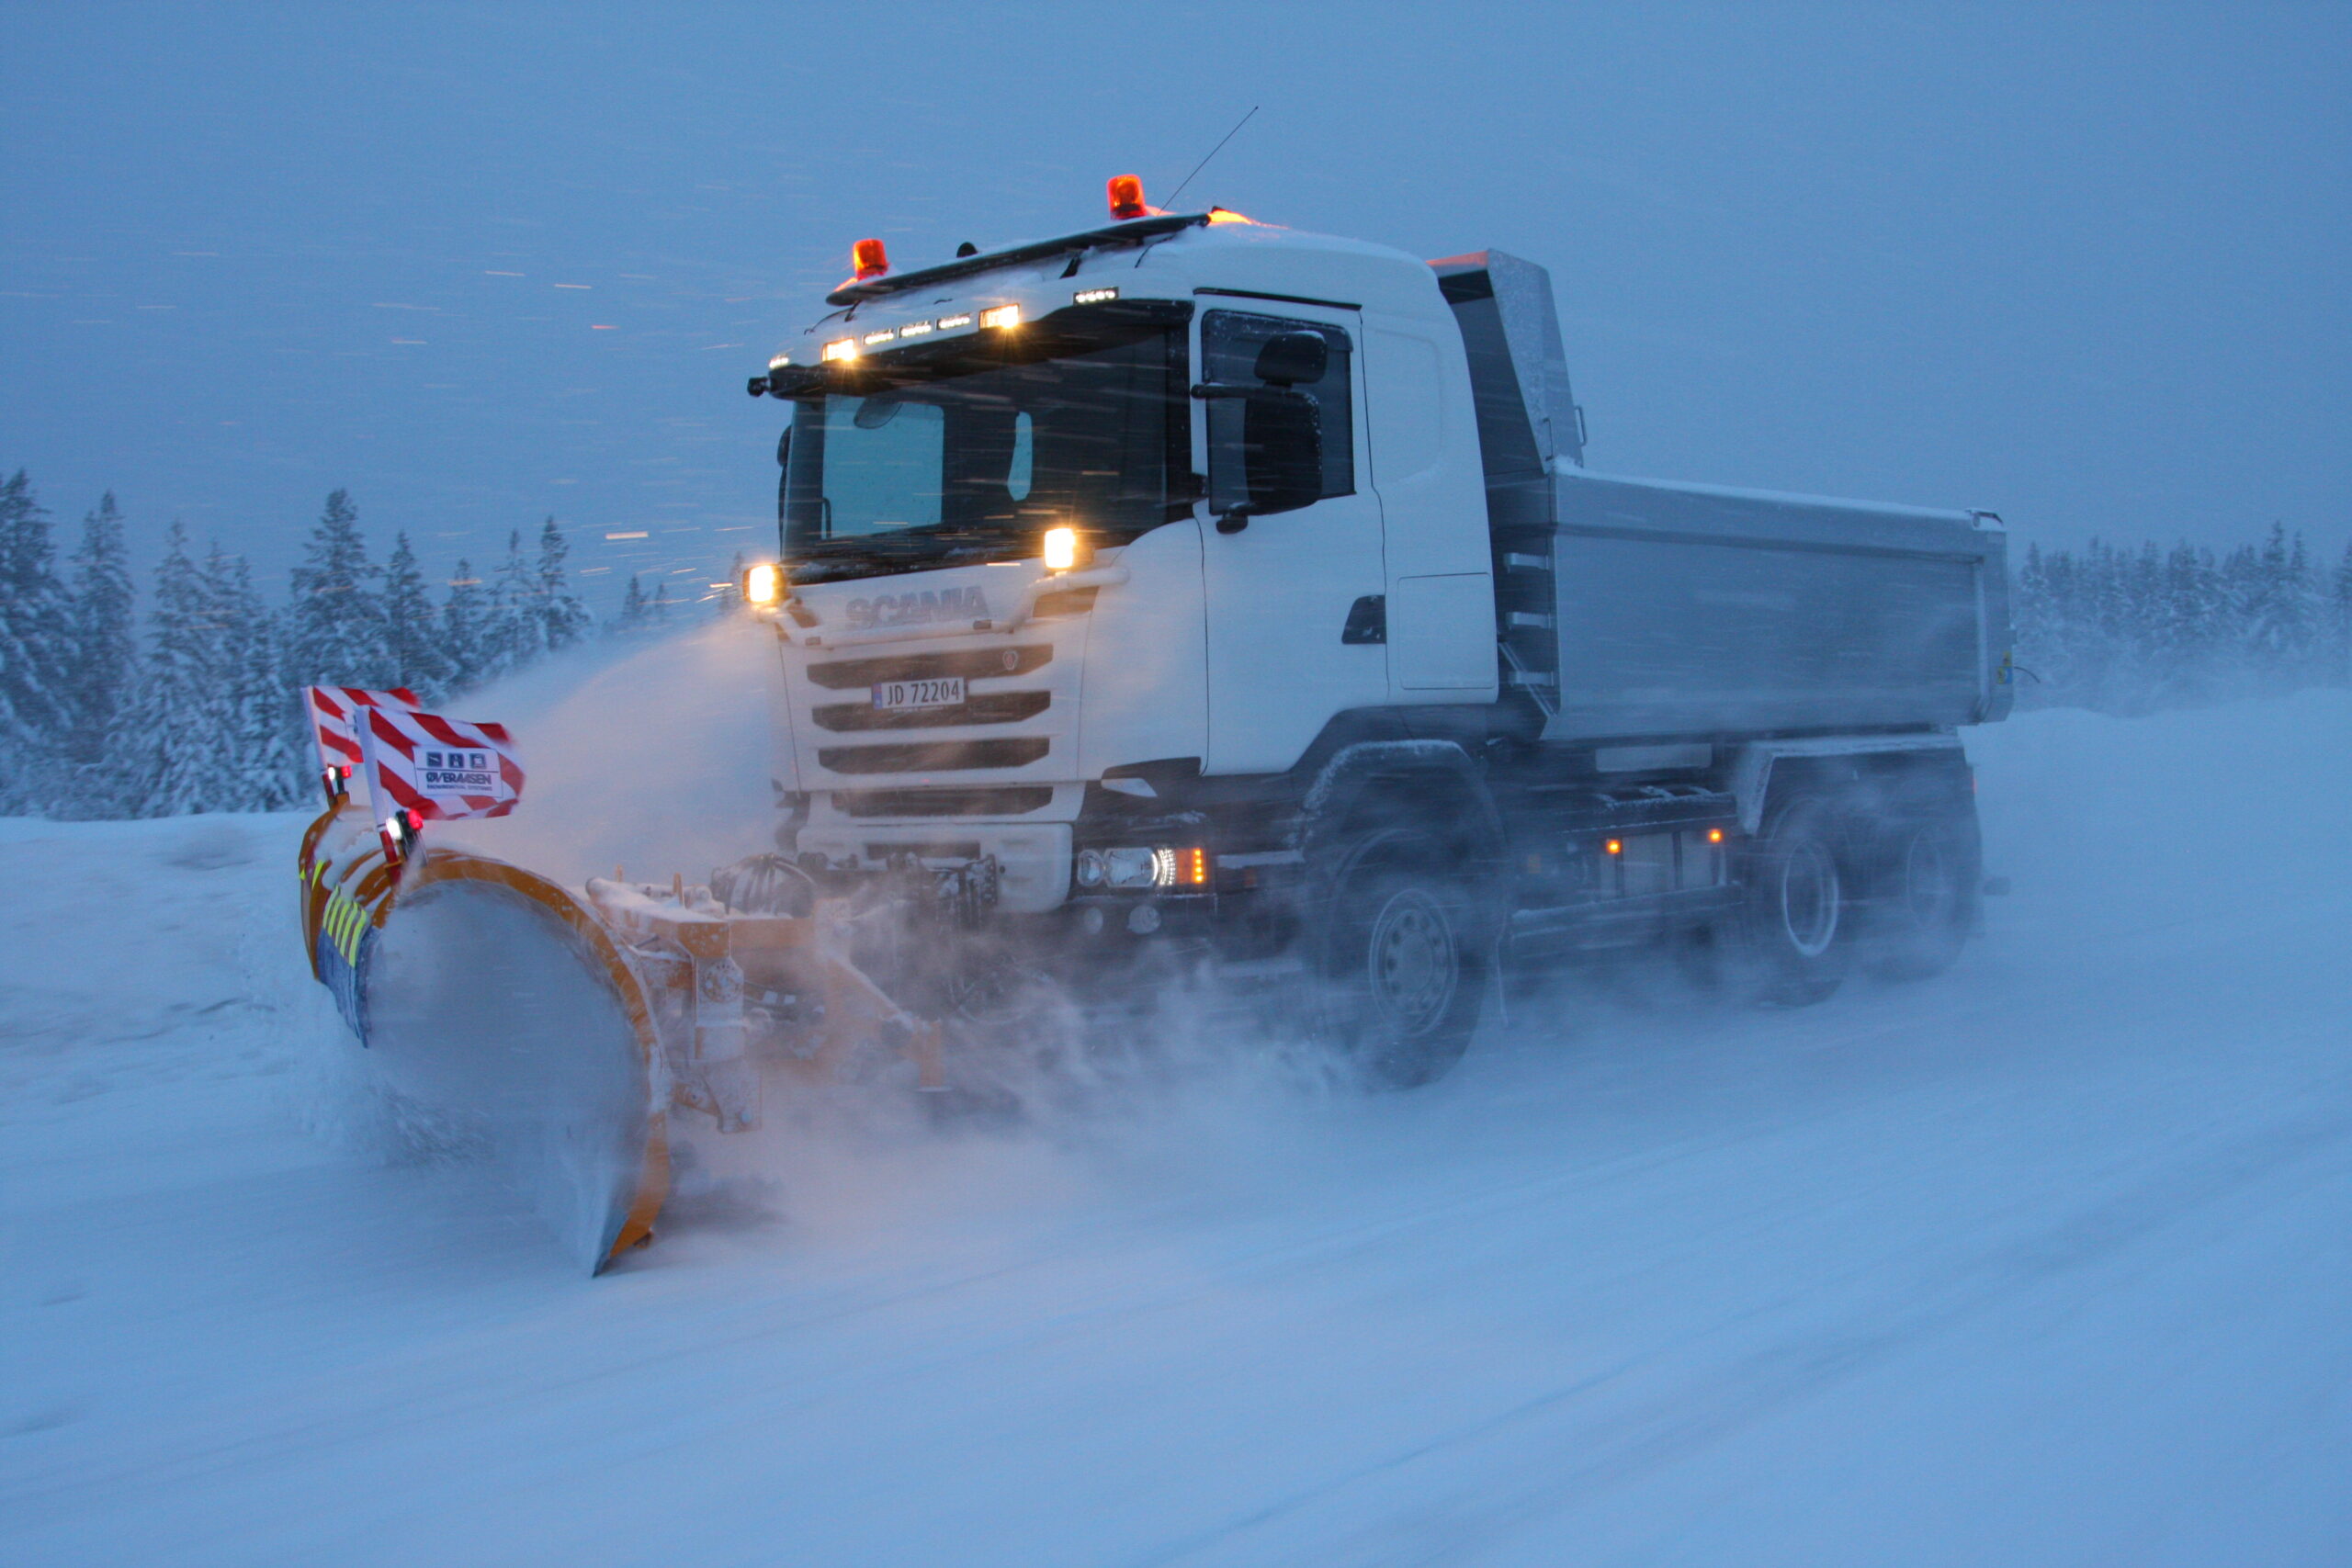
(1061, 548)
(763, 583)
(1196, 867)
(1714, 835)
(1615, 846)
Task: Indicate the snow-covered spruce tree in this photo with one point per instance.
(103, 638)
(269, 761)
(34, 646)
(2279, 620)
(630, 621)
(101, 659)
(180, 756)
(2339, 601)
(563, 620)
(657, 609)
(334, 629)
(465, 629)
(413, 634)
(2185, 632)
(517, 634)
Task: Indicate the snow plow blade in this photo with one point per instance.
(553, 1029)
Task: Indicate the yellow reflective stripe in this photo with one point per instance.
(345, 921)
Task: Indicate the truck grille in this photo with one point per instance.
(934, 756)
(971, 663)
(982, 707)
(1012, 802)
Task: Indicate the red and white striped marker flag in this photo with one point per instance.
(441, 769)
(333, 726)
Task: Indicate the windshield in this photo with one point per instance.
(967, 451)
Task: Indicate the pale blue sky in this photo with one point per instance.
(2085, 267)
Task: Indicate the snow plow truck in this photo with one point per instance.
(1187, 593)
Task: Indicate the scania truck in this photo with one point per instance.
(1192, 587)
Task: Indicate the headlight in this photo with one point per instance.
(1131, 868)
(763, 584)
(1161, 867)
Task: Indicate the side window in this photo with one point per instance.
(1229, 343)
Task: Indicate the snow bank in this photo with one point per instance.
(2041, 1261)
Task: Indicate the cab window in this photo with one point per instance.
(1230, 341)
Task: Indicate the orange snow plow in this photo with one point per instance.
(552, 1028)
(461, 973)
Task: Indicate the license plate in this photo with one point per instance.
(947, 694)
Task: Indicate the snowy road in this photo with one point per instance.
(2047, 1260)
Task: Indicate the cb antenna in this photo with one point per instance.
(1213, 153)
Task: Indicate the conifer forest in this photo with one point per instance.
(185, 697)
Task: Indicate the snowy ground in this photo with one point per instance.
(2048, 1261)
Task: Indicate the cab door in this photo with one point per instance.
(1293, 599)
(1433, 512)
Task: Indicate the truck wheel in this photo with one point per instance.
(1405, 959)
(1792, 932)
(1926, 901)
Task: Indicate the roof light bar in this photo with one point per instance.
(840, 348)
(887, 334)
(1002, 317)
(1094, 297)
(949, 323)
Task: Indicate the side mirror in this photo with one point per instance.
(1281, 447)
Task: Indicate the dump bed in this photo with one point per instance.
(1686, 609)
(1631, 607)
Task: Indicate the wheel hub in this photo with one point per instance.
(1414, 965)
(1928, 885)
(1809, 899)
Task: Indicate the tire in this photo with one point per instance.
(1927, 903)
(1406, 956)
(1792, 935)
